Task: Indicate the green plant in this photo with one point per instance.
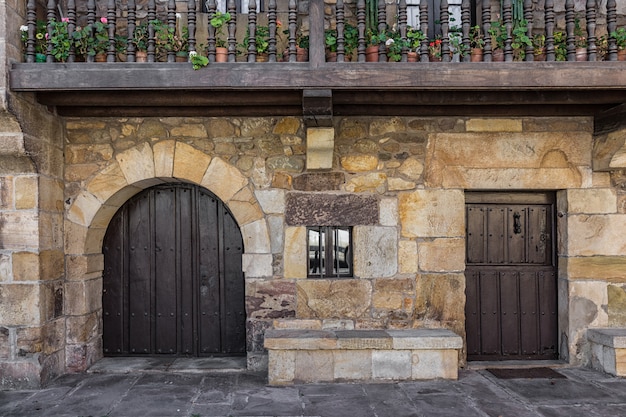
(497, 32)
(580, 38)
(41, 45)
(351, 37)
(415, 37)
(261, 38)
(456, 41)
(93, 39)
(140, 37)
(434, 48)
(198, 61)
(330, 40)
(395, 45)
(520, 41)
(477, 40)
(560, 47)
(539, 43)
(218, 21)
(620, 37)
(59, 40)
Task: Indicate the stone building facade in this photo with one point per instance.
(402, 182)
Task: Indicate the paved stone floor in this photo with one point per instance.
(168, 389)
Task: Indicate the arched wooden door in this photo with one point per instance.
(173, 282)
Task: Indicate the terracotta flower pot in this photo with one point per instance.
(581, 54)
(371, 53)
(411, 57)
(476, 55)
(621, 55)
(331, 56)
(141, 56)
(101, 57)
(540, 55)
(302, 54)
(221, 54)
(497, 55)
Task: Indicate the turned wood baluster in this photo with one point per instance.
(382, 28)
(611, 26)
(151, 31)
(232, 28)
(486, 17)
(549, 18)
(211, 42)
(171, 24)
(402, 21)
(591, 30)
(191, 25)
(251, 31)
(293, 28)
(271, 15)
(132, 24)
(570, 24)
(341, 40)
(465, 25)
(507, 18)
(91, 19)
(111, 22)
(71, 27)
(424, 29)
(528, 16)
(31, 22)
(51, 15)
(445, 39)
(360, 24)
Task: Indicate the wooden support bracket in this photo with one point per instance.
(317, 108)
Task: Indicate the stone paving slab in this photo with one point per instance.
(477, 393)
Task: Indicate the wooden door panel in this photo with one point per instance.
(172, 285)
(510, 276)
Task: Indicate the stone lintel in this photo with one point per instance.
(305, 209)
(611, 337)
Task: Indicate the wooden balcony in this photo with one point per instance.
(318, 89)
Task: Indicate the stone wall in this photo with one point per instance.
(404, 176)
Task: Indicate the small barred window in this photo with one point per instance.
(330, 251)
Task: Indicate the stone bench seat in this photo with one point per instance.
(301, 356)
(608, 350)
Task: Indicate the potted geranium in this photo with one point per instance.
(539, 47)
(92, 40)
(477, 43)
(59, 40)
(414, 37)
(218, 21)
(620, 40)
(497, 33)
(41, 45)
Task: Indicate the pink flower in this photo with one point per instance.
(279, 23)
(104, 20)
(65, 19)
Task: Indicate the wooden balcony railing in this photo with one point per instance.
(114, 29)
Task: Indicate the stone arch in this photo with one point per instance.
(132, 171)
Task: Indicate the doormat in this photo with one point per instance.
(525, 373)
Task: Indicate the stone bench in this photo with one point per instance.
(301, 356)
(608, 350)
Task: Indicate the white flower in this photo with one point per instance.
(24, 28)
(389, 42)
(192, 53)
(179, 16)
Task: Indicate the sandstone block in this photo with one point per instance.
(255, 237)
(407, 256)
(383, 126)
(190, 163)
(81, 329)
(314, 366)
(271, 201)
(432, 364)
(193, 130)
(412, 169)
(137, 163)
(352, 365)
(6, 268)
(604, 268)
(616, 308)
(494, 125)
(298, 324)
(442, 255)
(108, 183)
(164, 158)
(277, 233)
(82, 297)
(25, 266)
(375, 251)
(337, 324)
(245, 207)
(391, 364)
(281, 367)
(295, 258)
(20, 231)
(20, 304)
(373, 182)
(388, 212)
(591, 201)
(432, 213)
(5, 346)
(223, 179)
(7, 200)
(26, 192)
(609, 151)
(398, 184)
(50, 194)
(84, 208)
(256, 265)
(288, 163)
(359, 163)
(440, 298)
(603, 235)
(348, 298)
(320, 144)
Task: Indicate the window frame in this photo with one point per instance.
(329, 253)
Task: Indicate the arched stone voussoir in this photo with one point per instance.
(223, 179)
(190, 164)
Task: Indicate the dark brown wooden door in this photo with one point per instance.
(511, 306)
(173, 282)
